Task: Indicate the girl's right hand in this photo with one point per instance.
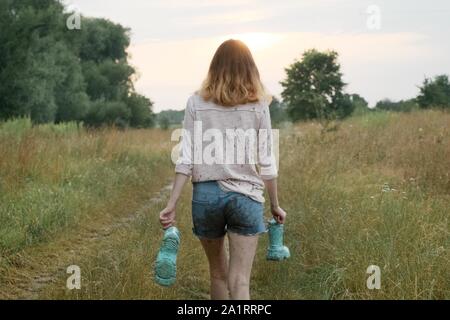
(278, 214)
(167, 216)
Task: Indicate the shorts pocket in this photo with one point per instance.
(245, 216)
(208, 219)
(201, 203)
(205, 198)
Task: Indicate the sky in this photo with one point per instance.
(386, 48)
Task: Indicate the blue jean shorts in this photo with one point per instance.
(215, 211)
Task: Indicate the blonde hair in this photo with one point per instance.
(233, 77)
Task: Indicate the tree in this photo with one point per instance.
(102, 39)
(108, 79)
(435, 92)
(314, 88)
(360, 105)
(278, 112)
(141, 111)
(164, 123)
(30, 51)
(108, 76)
(108, 113)
(397, 106)
(174, 117)
(52, 74)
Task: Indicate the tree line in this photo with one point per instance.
(314, 89)
(52, 74)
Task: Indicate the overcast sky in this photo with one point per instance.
(173, 41)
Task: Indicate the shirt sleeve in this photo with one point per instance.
(184, 163)
(266, 155)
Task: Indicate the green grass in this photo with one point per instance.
(374, 192)
(54, 175)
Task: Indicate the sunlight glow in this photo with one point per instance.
(256, 41)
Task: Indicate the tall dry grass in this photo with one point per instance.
(53, 176)
(375, 192)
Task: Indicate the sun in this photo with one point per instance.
(256, 41)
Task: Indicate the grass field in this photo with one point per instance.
(374, 192)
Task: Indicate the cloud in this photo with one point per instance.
(227, 18)
(200, 3)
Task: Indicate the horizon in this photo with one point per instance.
(384, 51)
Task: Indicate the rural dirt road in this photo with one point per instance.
(32, 270)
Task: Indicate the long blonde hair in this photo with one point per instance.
(233, 77)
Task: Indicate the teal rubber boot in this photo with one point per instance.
(276, 250)
(166, 261)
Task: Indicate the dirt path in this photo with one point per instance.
(31, 271)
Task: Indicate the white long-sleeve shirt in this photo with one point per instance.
(232, 145)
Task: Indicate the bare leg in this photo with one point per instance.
(242, 253)
(218, 267)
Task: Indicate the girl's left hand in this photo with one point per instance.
(167, 216)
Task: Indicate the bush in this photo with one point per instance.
(400, 106)
(108, 112)
(15, 127)
(435, 92)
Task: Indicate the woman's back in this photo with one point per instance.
(225, 144)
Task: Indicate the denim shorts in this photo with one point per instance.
(215, 211)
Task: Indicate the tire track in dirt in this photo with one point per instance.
(30, 273)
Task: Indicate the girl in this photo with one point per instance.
(227, 185)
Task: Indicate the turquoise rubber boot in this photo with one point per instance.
(166, 261)
(276, 250)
